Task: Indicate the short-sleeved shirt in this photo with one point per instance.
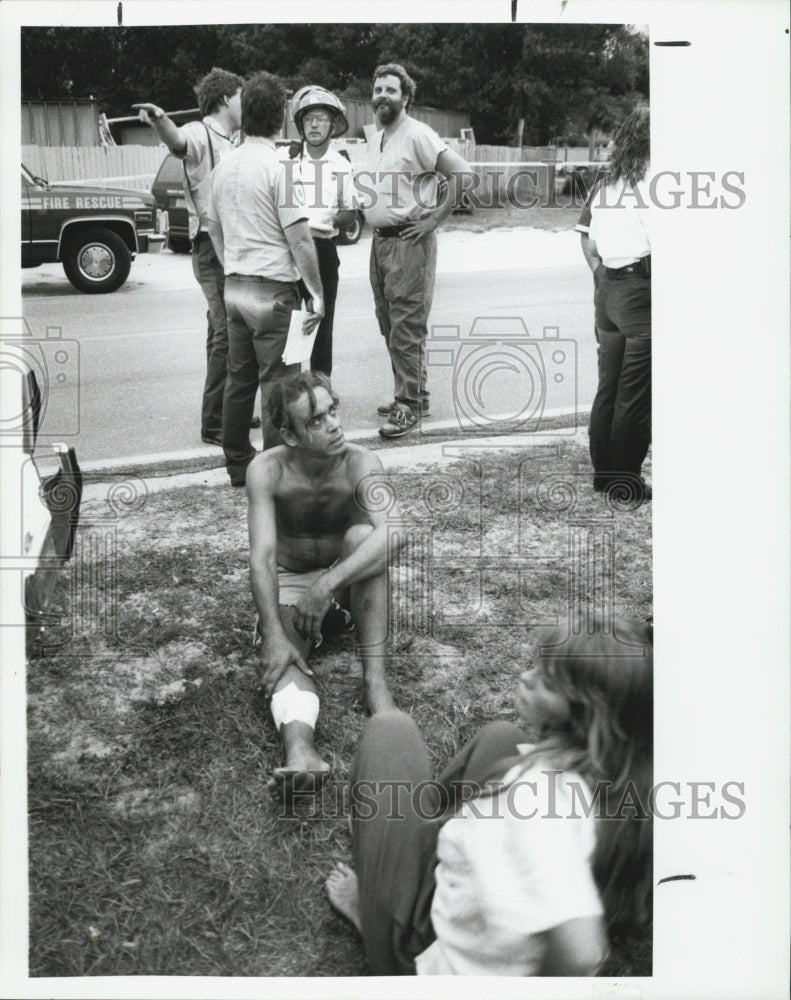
(207, 143)
(254, 201)
(328, 186)
(511, 866)
(619, 222)
(399, 184)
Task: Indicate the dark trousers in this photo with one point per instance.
(259, 313)
(402, 280)
(210, 276)
(620, 420)
(395, 823)
(327, 253)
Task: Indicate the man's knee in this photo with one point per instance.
(354, 537)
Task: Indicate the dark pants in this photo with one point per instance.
(394, 830)
(402, 279)
(327, 253)
(620, 420)
(259, 313)
(210, 276)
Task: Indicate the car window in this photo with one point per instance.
(170, 172)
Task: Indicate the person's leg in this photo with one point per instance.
(394, 833)
(210, 275)
(486, 758)
(274, 303)
(241, 383)
(295, 706)
(406, 285)
(629, 305)
(610, 358)
(370, 612)
(321, 355)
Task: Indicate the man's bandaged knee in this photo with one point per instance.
(292, 705)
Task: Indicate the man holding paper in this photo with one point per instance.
(258, 225)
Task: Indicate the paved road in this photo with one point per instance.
(142, 361)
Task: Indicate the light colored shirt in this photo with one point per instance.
(619, 222)
(198, 163)
(328, 186)
(399, 184)
(253, 200)
(511, 866)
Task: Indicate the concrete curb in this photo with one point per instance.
(153, 470)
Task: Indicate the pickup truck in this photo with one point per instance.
(95, 232)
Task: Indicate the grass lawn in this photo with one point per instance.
(553, 218)
(155, 848)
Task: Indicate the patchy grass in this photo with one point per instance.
(154, 846)
(481, 220)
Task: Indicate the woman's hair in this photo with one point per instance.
(632, 147)
(263, 100)
(408, 85)
(288, 389)
(606, 676)
(216, 85)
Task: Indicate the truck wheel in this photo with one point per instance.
(352, 233)
(96, 260)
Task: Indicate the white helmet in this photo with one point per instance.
(318, 97)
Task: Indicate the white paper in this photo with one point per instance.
(299, 345)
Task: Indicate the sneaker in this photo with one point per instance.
(383, 409)
(400, 421)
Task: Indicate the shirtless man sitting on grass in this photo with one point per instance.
(315, 543)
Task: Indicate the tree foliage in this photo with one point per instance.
(562, 80)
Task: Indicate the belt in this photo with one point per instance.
(639, 267)
(390, 232)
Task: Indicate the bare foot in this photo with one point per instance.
(303, 771)
(343, 893)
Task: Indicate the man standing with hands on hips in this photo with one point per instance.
(326, 178)
(404, 161)
(200, 146)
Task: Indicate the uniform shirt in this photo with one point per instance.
(328, 186)
(509, 867)
(619, 222)
(198, 162)
(392, 195)
(253, 200)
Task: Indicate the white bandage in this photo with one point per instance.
(292, 705)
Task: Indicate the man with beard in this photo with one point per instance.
(320, 540)
(326, 178)
(404, 161)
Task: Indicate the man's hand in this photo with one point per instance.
(415, 231)
(315, 308)
(310, 610)
(148, 112)
(277, 655)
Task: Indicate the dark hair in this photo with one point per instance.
(287, 389)
(408, 85)
(606, 676)
(216, 85)
(263, 99)
(632, 147)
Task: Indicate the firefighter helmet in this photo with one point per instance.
(318, 97)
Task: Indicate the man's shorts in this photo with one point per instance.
(292, 586)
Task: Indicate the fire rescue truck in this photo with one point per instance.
(95, 232)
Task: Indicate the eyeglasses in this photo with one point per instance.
(317, 119)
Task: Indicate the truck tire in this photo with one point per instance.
(351, 234)
(96, 260)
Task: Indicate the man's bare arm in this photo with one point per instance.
(454, 169)
(389, 529)
(168, 131)
(303, 250)
(589, 252)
